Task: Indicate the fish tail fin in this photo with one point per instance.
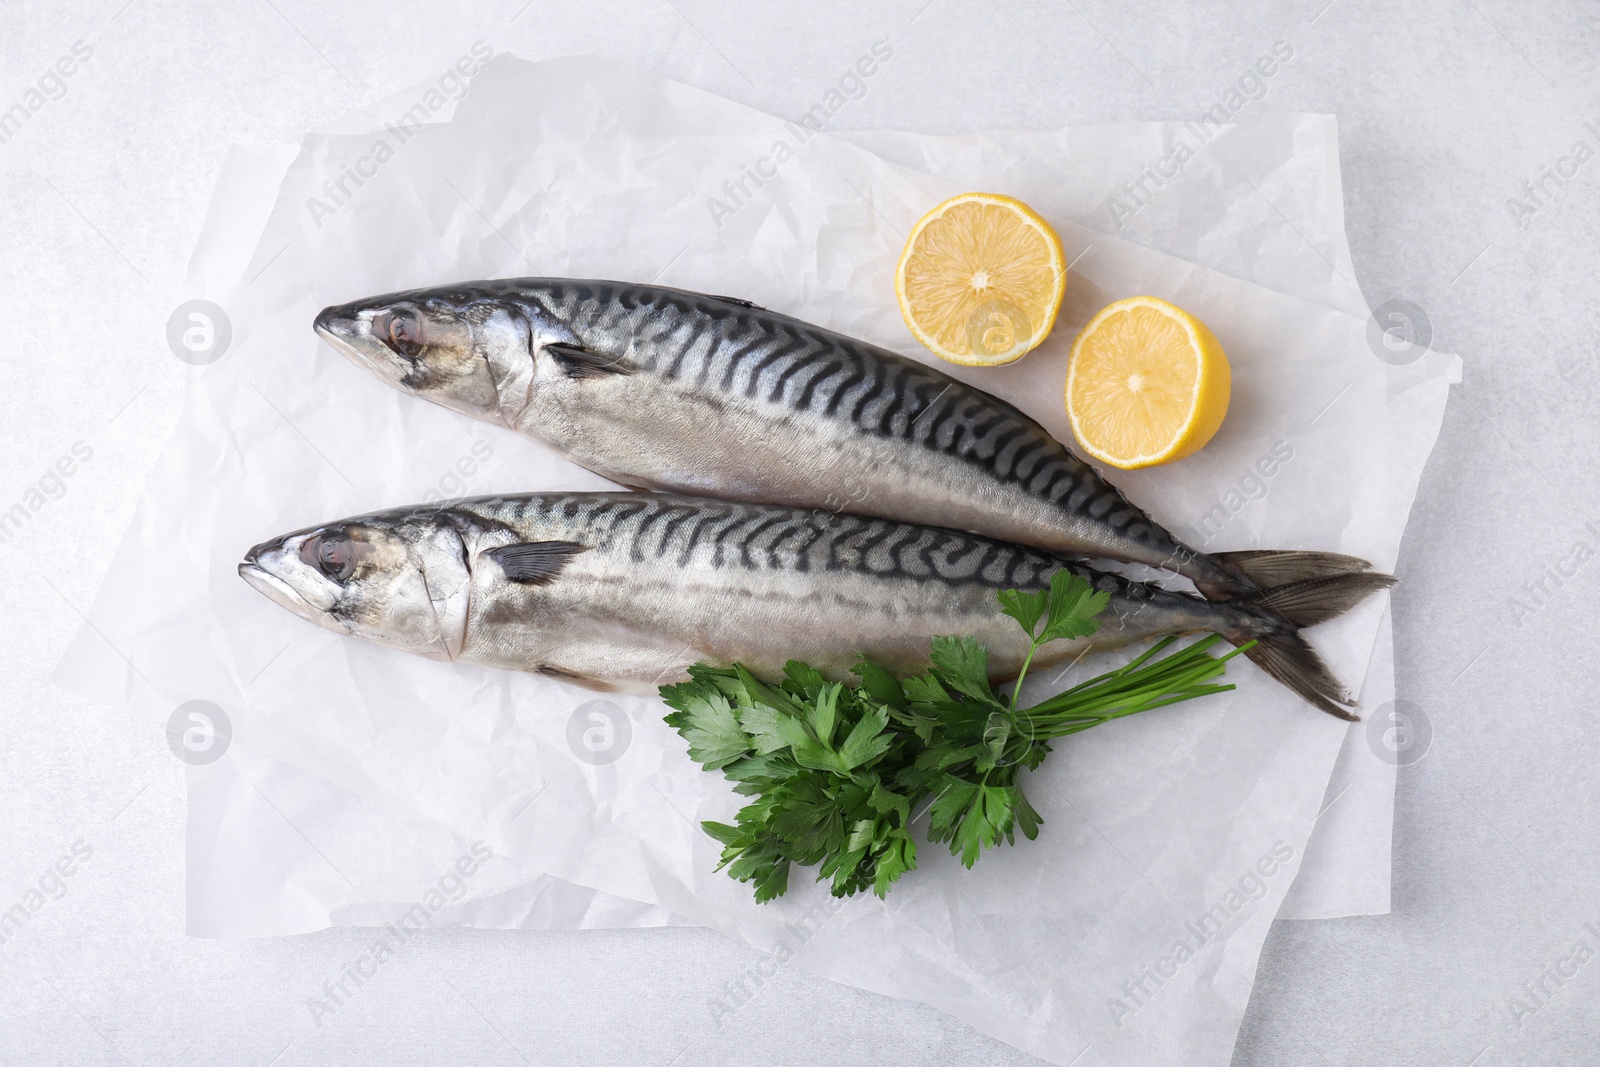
(1291, 660)
(1272, 619)
(1269, 568)
(1316, 600)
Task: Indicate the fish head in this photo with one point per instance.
(405, 584)
(466, 354)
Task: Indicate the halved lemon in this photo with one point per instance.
(1147, 383)
(980, 280)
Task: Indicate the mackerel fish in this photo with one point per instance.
(627, 590)
(662, 389)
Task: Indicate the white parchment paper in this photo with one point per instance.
(1296, 244)
(247, 878)
(1129, 932)
(273, 850)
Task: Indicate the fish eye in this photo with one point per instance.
(332, 554)
(400, 330)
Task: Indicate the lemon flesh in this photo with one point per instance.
(1147, 383)
(981, 279)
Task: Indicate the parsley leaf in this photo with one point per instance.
(867, 740)
(963, 664)
(823, 713)
(1073, 605)
(706, 721)
(1026, 608)
(760, 723)
(879, 683)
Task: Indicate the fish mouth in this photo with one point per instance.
(343, 328)
(274, 588)
(283, 594)
(348, 331)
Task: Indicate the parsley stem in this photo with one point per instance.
(1016, 689)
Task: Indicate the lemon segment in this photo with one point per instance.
(981, 279)
(1147, 383)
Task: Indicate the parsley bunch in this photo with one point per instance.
(838, 772)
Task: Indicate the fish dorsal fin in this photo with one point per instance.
(534, 562)
(692, 296)
(580, 362)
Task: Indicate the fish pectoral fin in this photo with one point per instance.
(534, 562)
(579, 680)
(637, 484)
(580, 362)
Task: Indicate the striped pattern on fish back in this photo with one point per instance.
(658, 529)
(729, 347)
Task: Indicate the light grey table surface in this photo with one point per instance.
(1445, 111)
